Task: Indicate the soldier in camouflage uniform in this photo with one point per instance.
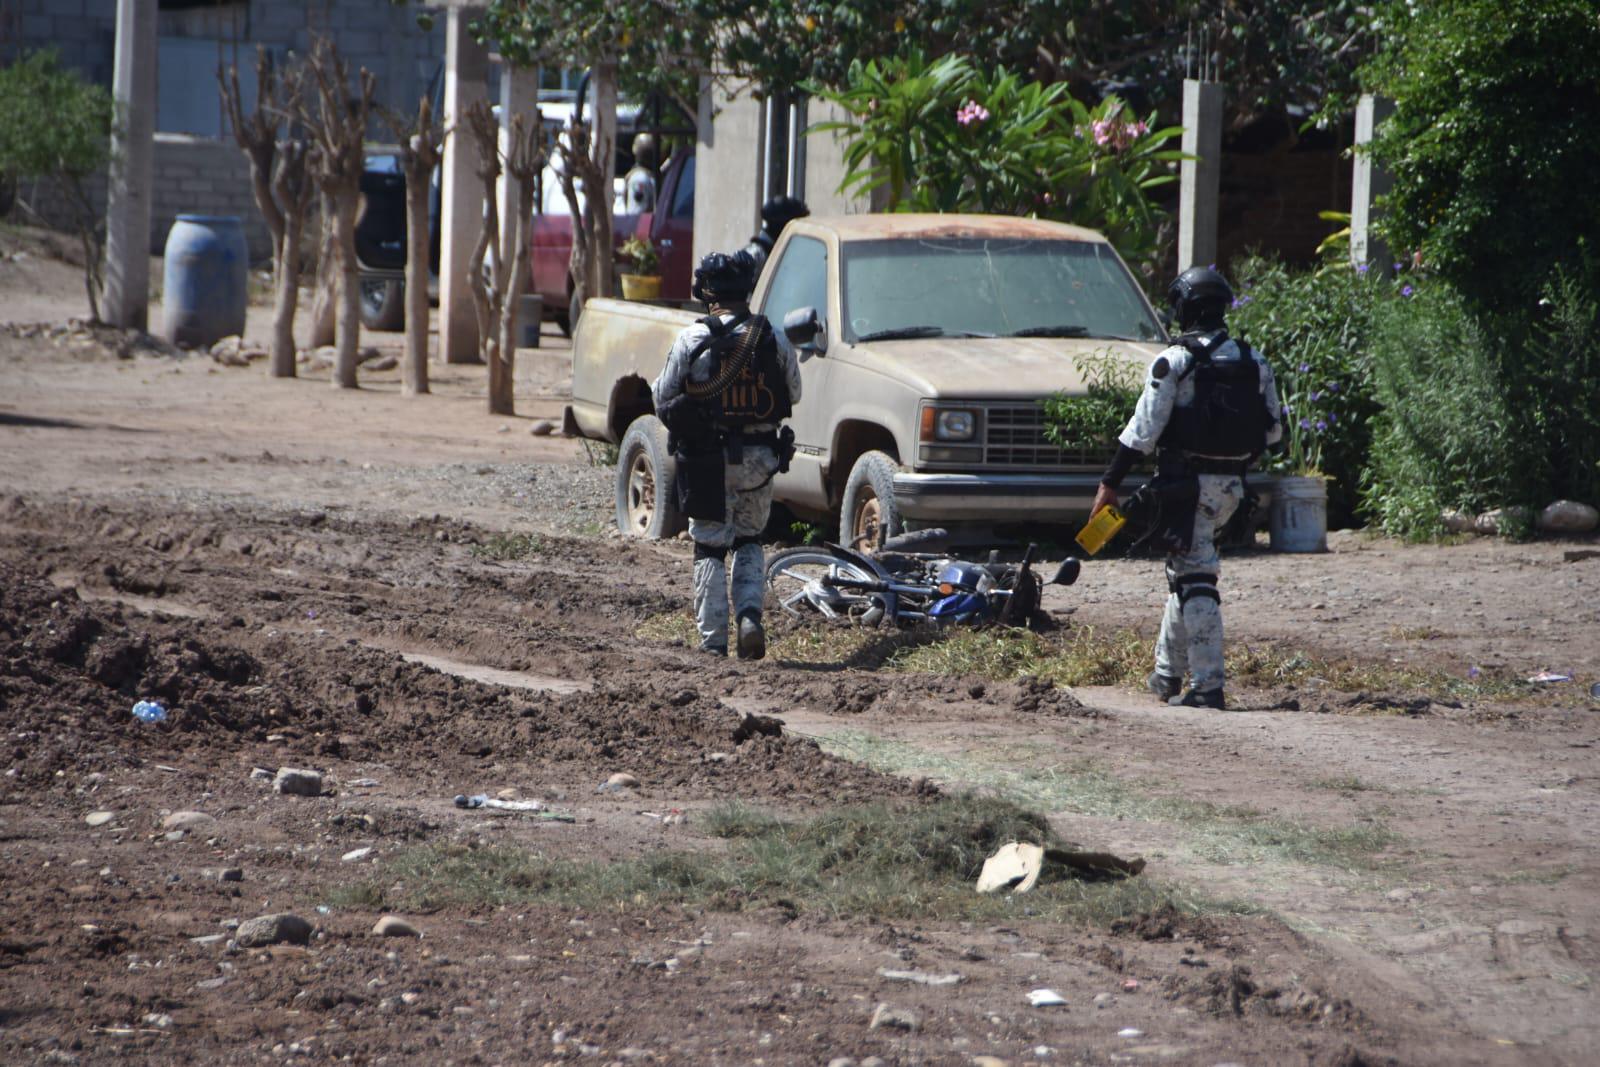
(741, 418)
(1210, 406)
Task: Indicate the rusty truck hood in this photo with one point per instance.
(989, 368)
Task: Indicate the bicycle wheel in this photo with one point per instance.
(795, 577)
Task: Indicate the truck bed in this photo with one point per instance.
(618, 348)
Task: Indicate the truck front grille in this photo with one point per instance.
(1014, 437)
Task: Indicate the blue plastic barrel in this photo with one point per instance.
(205, 280)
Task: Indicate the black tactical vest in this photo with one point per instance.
(1229, 415)
(746, 385)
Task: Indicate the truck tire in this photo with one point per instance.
(867, 514)
(383, 304)
(646, 504)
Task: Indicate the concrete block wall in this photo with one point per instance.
(201, 175)
(192, 176)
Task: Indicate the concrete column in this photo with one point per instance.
(519, 95)
(727, 171)
(1368, 182)
(1199, 179)
(125, 296)
(466, 64)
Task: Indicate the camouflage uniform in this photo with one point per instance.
(1191, 627)
(748, 486)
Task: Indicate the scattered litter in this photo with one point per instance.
(363, 783)
(617, 783)
(150, 711)
(483, 800)
(1015, 866)
(670, 817)
(1550, 676)
(1131, 985)
(1128, 1031)
(919, 977)
(1046, 998)
(169, 770)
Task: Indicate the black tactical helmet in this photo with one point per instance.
(779, 211)
(1198, 295)
(723, 278)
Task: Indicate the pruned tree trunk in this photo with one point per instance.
(495, 290)
(280, 181)
(421, 142)
(291, 188)
(339, 128)
(324, 298)
(603, 151)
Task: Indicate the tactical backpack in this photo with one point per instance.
(1229, 416)
(747, 385)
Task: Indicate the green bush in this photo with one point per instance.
(1492, 143)
(1315, 328)
(1445, 435)
(1094, 418)
(949, 135)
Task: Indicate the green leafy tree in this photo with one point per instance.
(1492, 144)
(1271, 55)
(57, 127)
(945, 135)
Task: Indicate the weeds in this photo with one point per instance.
(876, 860)
(503, 546)
(1220, 834)
(599, 453)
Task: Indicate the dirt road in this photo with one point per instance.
(416, 603)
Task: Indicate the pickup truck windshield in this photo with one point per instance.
(991, 287)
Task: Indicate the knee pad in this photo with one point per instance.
(705, 551)
(1190, 586)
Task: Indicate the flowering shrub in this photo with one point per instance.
(946, 135)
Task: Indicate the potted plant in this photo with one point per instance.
(644, 282)
(1298, 521)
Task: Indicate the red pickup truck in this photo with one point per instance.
(670, 227)
(381, 242)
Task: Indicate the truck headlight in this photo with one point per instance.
(949, 424)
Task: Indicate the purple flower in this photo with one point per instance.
(1362, 268)
(1241, 301)
(1399, 267)
(1305, 424)
(1305, 368)
(1333, 387)
(1315, 396)
(1288, 409)
(1407, 291)
(1473, 672)
(1330, 418)
(1322, 424)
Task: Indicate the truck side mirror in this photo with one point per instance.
(805, 329)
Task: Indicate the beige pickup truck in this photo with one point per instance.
(926, 342)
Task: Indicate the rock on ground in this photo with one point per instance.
(298, 782)
(394, 926)
(1569, 516)
(282, 928)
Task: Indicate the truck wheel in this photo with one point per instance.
(868, 515)
(646, 505)
(383, 304)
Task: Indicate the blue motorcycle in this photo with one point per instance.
(900, 586)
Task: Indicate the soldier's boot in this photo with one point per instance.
(752, 638)
(1164, 686)
(1194, 698)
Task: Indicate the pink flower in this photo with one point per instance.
(971, 112)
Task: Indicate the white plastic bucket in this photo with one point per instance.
(1299, 517)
